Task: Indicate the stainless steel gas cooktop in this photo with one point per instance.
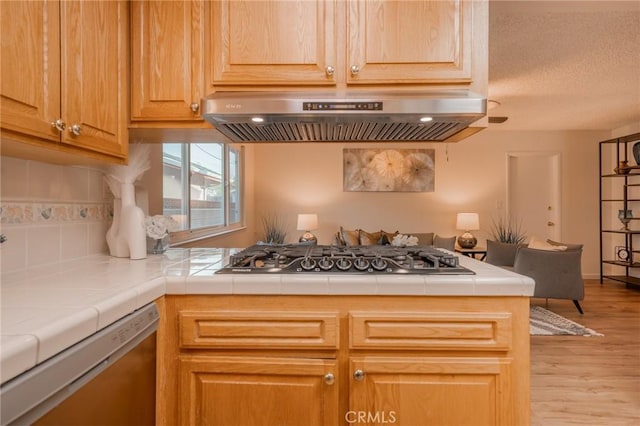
(296, 258)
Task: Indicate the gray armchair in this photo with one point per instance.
(502, 254)
(558, 274)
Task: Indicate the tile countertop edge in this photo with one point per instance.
(20, 352)
(18, 349)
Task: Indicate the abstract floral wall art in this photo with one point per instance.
(388, 170)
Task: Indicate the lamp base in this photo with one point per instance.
(308, 238)
(467, 240)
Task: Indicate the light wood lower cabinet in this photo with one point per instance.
(243, 391)
(448, 390)
(329, 360)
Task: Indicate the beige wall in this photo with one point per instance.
(470, 176)
(51, 213)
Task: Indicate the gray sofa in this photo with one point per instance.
(558, 274)
(360, 237)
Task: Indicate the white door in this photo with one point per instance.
(533, 193)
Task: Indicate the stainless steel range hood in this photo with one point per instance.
(363, 117)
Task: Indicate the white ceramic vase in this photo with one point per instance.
(131, 230)
(117, 243)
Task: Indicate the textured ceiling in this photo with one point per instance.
(564, 65)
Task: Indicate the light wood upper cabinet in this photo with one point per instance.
(94, 75)
(64, 77)
(167, 42)
(346, 43)
(409, 41)
(30, 91)
(272, 42)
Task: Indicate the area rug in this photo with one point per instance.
(546, 323)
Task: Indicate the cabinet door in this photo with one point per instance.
(416, 391)
(30, 86)
(167, 42)
(271, 42)
(409, 41)
(248, 391)
(94, 75)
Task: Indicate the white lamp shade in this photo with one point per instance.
(307, 222)
(468, 221)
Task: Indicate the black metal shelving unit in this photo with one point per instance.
(628, 179)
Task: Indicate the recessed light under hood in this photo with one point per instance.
(362, 117)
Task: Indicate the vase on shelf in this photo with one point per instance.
(157, 245)
(625, 217)
(623, 168)
(636, 152)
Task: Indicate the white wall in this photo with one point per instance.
(470, 176)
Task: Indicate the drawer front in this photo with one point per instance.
(430, 330)
(255, 329)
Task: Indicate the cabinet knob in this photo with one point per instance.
(195, 107)
(358, 375)
(329, 378)
(355, 69)
(76, 129)
(59, 124)
(330, 70)
(550, 223)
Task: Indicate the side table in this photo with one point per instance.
(472, 252)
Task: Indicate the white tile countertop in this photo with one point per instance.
(47, 309)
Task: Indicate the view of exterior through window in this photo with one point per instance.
(202, 185)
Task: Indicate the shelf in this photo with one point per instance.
(620, 231)
(631, 282)
(619, 151)
(621, 263)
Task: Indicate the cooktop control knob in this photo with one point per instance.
(343, 264)
(361, 264)
(308, 264)
(325, 264)
(379, 264)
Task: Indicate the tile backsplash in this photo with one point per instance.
(51, 213)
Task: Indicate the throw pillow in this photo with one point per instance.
(387, 237)
(448, 243)
(424, 239)
(370, 238)
(350, 238)
(536, 243)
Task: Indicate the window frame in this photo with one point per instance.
(189, 235)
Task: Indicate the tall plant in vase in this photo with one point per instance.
(275, 230)
(508, 231)
(127, 236)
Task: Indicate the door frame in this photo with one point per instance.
(556, 156)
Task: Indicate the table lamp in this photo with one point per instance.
(307, 223)
(467, 222)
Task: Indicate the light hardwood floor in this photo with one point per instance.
(577, 380)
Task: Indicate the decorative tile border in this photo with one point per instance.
(17, 213)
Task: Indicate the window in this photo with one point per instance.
(202, 188)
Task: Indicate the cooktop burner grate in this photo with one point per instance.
(298, 258)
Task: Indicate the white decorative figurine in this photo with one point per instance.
(127, 236)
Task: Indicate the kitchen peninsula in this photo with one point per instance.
(268, 349)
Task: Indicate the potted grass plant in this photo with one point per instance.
(508, 231)
(274, 228)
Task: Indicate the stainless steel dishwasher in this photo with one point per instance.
(106, 379)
